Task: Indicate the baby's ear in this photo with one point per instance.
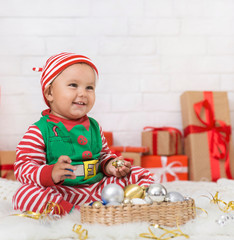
(48, 93)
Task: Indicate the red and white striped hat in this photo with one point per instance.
(56, 64)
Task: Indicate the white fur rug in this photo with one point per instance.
(204, 227)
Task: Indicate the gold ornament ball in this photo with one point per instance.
(97, 204)
(134, 191)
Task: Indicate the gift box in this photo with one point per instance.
(136, 157)
(164, 141)
(166, 168)
(207, 133)
(129, 149)
(109, 138)
(7, 159)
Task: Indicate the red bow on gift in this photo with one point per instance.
(218, 135)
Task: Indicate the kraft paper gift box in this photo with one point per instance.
(136, 157)
(207, 133)
(164, 141)
(166, 168)
(7, 159)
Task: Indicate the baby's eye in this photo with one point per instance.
(90, 87)
(73, 85)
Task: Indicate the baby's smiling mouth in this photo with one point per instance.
(79, 103)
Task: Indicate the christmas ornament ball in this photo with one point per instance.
(157, 192)
(112, 193)
(134, 191)
(97, 204)
(174, 197)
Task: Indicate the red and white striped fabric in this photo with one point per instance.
(56, 64)
(37, 189)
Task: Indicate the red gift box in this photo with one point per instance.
(166, 168)
(109, 138)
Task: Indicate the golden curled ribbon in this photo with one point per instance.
(49, 208)
(82, 234)
(227, 206)
(172, 233)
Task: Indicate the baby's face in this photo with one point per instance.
(72, 93)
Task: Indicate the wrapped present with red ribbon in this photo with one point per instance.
(163, 141)
(7, 159)
(166, 168)
(207, 132)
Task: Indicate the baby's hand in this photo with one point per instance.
(120, 171)
(60, 170)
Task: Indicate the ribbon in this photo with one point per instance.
(49, 208)
(227, 206)
(218, 133)
(168, 234)
(171, 130)
(7, 168)
(82, 234)
(171, 169)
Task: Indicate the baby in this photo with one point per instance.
(64, 157)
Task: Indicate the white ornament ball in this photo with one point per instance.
(138, 201)
(112, 193)
(174, 197)
(113, 204)
(157, 192)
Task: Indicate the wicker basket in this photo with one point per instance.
(164, 213)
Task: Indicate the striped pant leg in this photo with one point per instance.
(34, 198)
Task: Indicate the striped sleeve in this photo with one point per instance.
(30, 166)
(106, 153)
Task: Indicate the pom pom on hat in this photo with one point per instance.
(56, 64)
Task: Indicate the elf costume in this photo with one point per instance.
(82, 140)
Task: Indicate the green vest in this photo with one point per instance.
(81, 145)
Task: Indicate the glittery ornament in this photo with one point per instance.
(118, 163)
(174, 197)
(157, 192)
(134, 191)
(97, 204)
(112, 193)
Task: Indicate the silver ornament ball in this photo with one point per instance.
(112, 193)
(174, 197)
(157, 192)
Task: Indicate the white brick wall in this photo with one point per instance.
(148, 52)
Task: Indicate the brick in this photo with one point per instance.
(121, 8)
(127, 46)
(81, 45)
(220, 45)
(191, 8)
(152, 27)
(161, 102)
(10, 65)
(159, 8)
(227, 81)
(155, 83)
(100, 26)
(115, 83)
(219, 8)
(36, 26)
(131, 64)
(196, 82)
(182, 45)
(126, 102)
(44, 8)
(207, 26)
(127, 138)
